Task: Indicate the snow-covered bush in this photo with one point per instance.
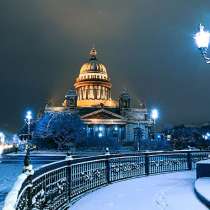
(63, 129)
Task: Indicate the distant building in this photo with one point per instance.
(103, 116)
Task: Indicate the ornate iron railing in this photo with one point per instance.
(57, 185)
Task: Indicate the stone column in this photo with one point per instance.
(99, 92)
(91, 92)
(86, 94)
(80, 94)
(104, 93)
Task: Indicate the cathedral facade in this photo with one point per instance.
(103, 116)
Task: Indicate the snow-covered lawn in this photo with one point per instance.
(172, 191)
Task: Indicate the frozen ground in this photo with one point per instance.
(172, 191)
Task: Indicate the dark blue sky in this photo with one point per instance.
(147, 46)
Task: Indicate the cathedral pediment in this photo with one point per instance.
(102, 114)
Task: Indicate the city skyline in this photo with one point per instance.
(43, 45)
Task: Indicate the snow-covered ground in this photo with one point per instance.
(202, 186)
(11, 167)
(172, 191)
(8, 175)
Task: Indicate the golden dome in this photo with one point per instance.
(93, 85)
(93, 66)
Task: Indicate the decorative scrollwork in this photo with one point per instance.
(45, 198)
(126, 167)
(85, 176)
(50, 188)
(169, 163)
(39, 200)
(90, 176)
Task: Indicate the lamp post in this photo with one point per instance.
(138, 136)
(27, 164)
(202, 40)
(154, 117)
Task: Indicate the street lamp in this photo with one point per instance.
(154, 117)
(202, 40)
(28, 119)
(27, 164)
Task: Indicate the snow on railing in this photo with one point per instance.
(12, 197)
(14, 194)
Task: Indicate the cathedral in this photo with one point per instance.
(102, 115)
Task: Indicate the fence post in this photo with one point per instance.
(69, 180)
(146, 164)
(30, 190)
(189, 161)
(108, 171)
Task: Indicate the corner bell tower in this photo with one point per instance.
(70, 100)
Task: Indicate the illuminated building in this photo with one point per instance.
(93, 85)
(103, 116)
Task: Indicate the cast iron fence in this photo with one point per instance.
(57, 185)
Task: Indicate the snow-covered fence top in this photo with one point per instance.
(56, 185)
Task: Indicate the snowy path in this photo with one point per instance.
(160, 192)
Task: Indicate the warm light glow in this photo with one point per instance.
(202, 38)
(154, 114)
(95, 103)
(93, 85)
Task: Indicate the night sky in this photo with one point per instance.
(147, 46)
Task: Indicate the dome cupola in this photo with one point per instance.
(93, 66)
(93, 85)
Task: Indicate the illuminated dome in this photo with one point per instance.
(93, 68)
(93, 85)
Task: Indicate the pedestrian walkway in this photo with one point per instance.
(172, 191)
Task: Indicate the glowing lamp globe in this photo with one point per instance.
(116, 128)
(100, 135)
(29, 115)
(154, 114)
(202, 38)
(100, 128)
